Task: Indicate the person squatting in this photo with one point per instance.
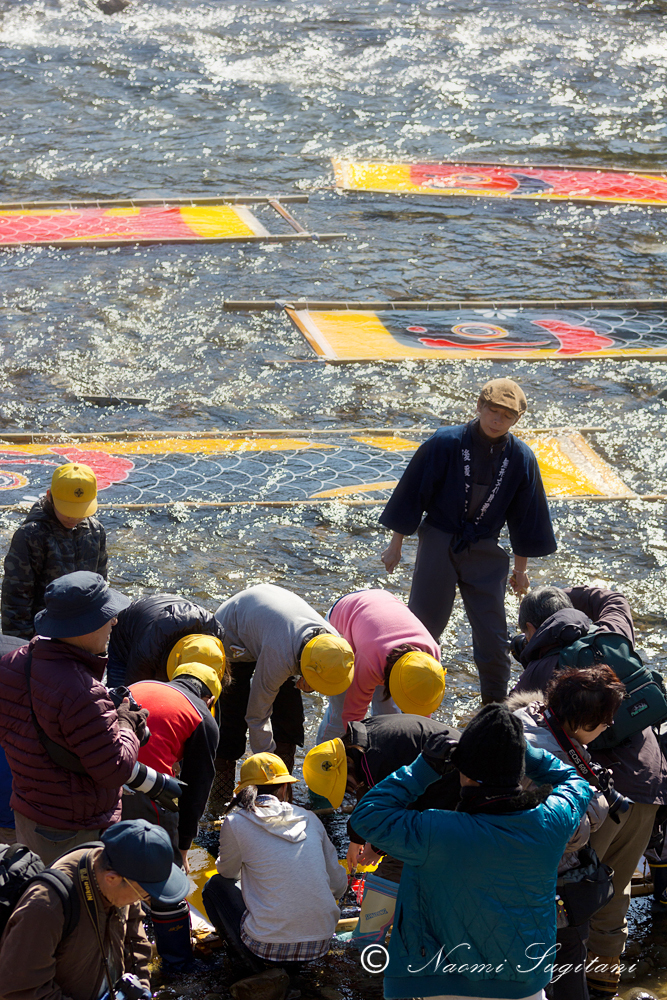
(497, 860)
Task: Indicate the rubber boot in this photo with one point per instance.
(603, 975)
(659, 875)
(286, 752)
(222, 789)
(172, 938)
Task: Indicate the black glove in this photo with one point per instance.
(437, 752)
(129, 718)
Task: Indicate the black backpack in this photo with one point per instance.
(645, 702)
(20, 868)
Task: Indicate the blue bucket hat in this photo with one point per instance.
(77, 604)
(142, 852)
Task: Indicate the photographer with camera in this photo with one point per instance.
(557, 624)
(70, 749)
(579, 706)
(183, 731)
(475, 914)
(87, 941)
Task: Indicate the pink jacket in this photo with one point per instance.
(73, 707)
(374, 622)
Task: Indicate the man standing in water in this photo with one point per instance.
(471, 480)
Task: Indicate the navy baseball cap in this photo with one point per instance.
(77, 604)
(139, 851)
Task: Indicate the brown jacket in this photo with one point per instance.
(36, 965)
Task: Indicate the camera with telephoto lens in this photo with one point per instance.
(162, 788)
(518, 643)
(128, 987)
(617, 803)
(118, 695)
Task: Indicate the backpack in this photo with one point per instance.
(21, 868)
(645, 702)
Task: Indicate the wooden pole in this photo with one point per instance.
(434, 305)
(239, 199)
(39, 437)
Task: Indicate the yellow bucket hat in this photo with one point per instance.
(209, 675)
(417, 683)
(325, 770)
(327, 664)
(263, 769)
(74, 490)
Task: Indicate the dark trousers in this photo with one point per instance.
(572, 951)
(480, 571)
(286, 718)
(224, 905)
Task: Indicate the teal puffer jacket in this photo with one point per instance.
(476, 911)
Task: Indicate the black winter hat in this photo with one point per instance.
(492, 748)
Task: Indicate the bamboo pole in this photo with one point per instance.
(434, 305)
(238, 199)
(296, 226)
(45, 437)
(178, 240)
(286, 504)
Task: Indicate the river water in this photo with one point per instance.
(172, 98)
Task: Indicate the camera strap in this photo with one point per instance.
(85, 873)
(59, 754)
(568, 747)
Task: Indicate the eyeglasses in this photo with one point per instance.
(142, 894)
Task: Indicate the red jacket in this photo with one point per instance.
(73, 707)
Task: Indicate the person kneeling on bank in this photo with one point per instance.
(285, 912)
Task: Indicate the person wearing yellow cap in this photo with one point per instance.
(183, 732)
(277, 646)
(470, 481)
(144, 641)
(396, 661)
(367, 753)
(285, 912)
(59, 536)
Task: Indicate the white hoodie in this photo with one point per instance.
(288, 868)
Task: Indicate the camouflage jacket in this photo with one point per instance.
(41, 551)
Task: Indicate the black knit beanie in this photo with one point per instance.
(492, 748)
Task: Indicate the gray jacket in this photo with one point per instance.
(268, 626)
(541, 737)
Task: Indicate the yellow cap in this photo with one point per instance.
(263, 769)
(417, 683)
(327, 664)
(209, 675)
(200, 649)
(74, 490)
(325, 770)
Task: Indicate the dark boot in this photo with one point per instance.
(286, 753)
(172, 937)
(222, 789)
(659, 873)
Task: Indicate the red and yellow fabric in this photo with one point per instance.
(495, 180)
(152, 223)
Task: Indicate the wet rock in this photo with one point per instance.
(331, 994)
(638, 994)
(112, 6)
(639, 969)
(659, 953)
(633, 949)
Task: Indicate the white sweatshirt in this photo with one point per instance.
(288, 868)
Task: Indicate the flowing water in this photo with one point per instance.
(172, 98)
